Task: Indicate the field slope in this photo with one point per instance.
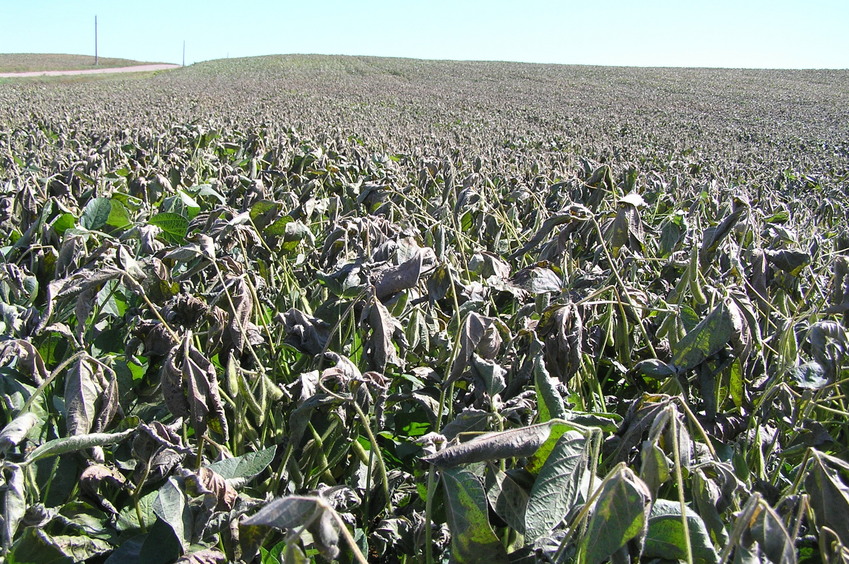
(30, 62)
(370, 309)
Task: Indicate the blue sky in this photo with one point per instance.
(703, 33)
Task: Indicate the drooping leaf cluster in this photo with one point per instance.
(367, 310)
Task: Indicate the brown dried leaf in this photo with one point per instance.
(109, 405)
(171, 378)
(96, 475)
(305, 333)
(383, 326)
(562, 330)
(28, 358)
(202, 395)
(70, 255)
(17, 429)
(397, 278)
(492, 446)
(81, 395)
(240, 318)
(478, 335)
(209, 481)
(207, 556)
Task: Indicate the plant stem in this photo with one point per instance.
(679, 480)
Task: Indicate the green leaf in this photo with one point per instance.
(34, 546)
(508, 498)
(245, 466)
(64, 222)
(161, 546)
(96, 213)
(119, 215)
(174, 226)
(128, 518)
(170, 506)
(558, 485)
(810, 375)
(620, 515)
(472, 538)
(665, 538)
(723, 325)
(278, 228)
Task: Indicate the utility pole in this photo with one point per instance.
(95, 40)
(184, 52)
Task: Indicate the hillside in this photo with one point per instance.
(378, 310)
(28, 62)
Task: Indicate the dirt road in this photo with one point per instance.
(136, 68)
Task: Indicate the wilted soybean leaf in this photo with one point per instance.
(665, 538)
(654, 466)
(468, 421)
(305, 333)
(82, 548)
(211, 485)
(297, 511)
(26, 356)
(724, 324)
(574, 212)
(477, 335)
(654, 368)
(95, 475)
(488, 376)
(763, 532)
(240, 318)
(190, 387)
(206, 556)
(325, 534)
(810, 375)
(286, 512)
(620, 515)
(81, 394)
(827, 484)
(383, 327)
(493, 446)
(13, 433)
(713, 236)
(537, 279)
(558, 485)
(394, 279)
(14, 501)
(507, 497)
(562, 331)
(626, 229)
(549, 402)
(472, 538)
(788, 261)
(76, 443)
(829, 345)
